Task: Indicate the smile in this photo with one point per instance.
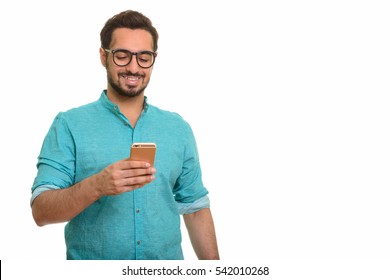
(131, 80)
(131, 77)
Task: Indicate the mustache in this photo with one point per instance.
(129, 73)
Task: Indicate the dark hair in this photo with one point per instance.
(128, 19)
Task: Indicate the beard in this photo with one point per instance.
(125, 90)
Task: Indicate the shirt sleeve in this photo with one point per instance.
(56, 161)
(37, 191)
(189, 186)
(199, 204)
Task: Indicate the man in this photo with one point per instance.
(118, 208)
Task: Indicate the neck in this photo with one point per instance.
(131, 107)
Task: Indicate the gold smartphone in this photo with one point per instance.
(143, 152)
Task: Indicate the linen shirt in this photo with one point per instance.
(140, 224)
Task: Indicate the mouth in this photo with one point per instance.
(130, 79)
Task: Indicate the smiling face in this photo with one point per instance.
(130, 80)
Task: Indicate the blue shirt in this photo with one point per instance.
(140, 224)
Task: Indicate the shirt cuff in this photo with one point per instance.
(40, 190)
(188, 208)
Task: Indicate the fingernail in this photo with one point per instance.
(147, 164)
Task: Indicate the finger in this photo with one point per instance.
(139, 180)
(135, 172)
(129, 164)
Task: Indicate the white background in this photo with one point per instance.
(289, 102)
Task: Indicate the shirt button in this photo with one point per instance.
(137, 210)
(139, 242)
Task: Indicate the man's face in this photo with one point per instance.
(130, 80)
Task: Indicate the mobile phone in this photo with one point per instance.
(143, 152)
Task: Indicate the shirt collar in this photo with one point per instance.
(112, 106)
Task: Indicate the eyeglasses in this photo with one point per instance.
(122, 57)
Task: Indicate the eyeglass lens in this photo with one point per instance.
(145, 59)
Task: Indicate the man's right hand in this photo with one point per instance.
(124, 176)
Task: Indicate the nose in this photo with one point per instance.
(133, 66)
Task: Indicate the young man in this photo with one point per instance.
(118, 208)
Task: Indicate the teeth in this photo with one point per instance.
(131, 78)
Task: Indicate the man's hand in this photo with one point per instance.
(124, 176)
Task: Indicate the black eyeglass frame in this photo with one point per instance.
(154, 54)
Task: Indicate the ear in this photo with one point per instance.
(103, 57)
